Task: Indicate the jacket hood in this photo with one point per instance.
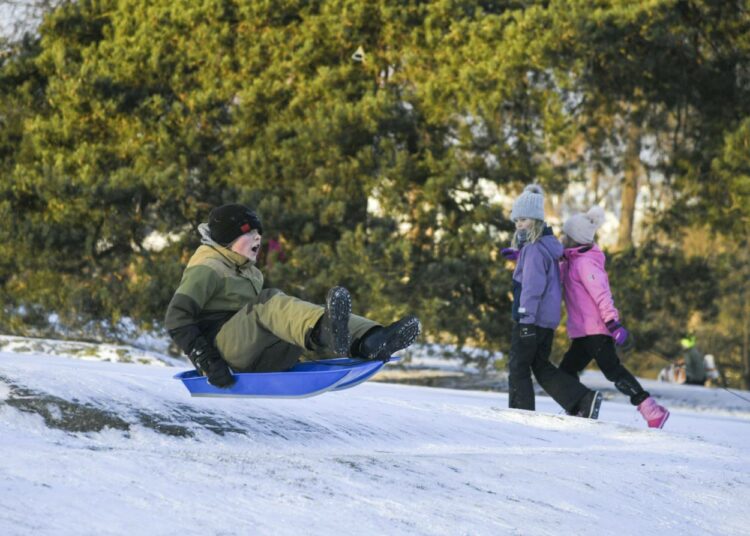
(552, 245)
(591, 250)
(205, 233)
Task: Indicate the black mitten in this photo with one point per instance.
(208, 361)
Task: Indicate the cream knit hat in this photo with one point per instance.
(581, 227)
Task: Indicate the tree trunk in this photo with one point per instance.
(632, 169)
(595, 176)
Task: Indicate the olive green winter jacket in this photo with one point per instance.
(215, 285)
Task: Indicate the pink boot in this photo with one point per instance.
(654, 414)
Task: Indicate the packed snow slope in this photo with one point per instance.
(93, 447)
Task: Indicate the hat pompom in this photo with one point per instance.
(596, 215)
(534, 189)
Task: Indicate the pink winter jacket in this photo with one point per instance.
(588, 299)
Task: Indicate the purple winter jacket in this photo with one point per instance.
(538, 276)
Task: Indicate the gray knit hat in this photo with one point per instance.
(530, 204)
(581, 227)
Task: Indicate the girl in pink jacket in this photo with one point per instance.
(593, 321)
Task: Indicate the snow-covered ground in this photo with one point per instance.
(95, 447)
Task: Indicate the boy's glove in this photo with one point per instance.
(619, 333)
(208, 361)
(511, 254)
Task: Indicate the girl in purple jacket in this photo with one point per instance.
(593, 322)
(536, 313)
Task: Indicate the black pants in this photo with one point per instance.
(524, 359)
(601, 348)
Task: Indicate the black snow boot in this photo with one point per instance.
(588, 406)
(382, 342)
(332, 330)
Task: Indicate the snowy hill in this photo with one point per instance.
(93, 447)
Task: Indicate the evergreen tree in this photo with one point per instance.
(371, 137)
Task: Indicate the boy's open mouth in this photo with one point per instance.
(255, 248)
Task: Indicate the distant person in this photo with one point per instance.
(712, 371)
(673, 373)
(536, 313)
(274, 252)
(222, 317)
(695, 365)
(593, 321)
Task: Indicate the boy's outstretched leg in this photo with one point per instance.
(382, 342)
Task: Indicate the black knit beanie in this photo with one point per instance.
(228, 222)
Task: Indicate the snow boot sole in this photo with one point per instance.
(336, 321)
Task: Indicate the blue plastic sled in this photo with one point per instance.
(304, 379)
